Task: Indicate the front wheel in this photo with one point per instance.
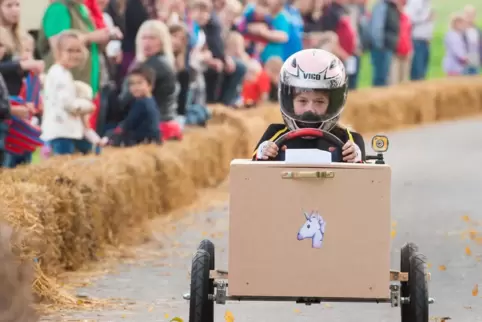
(199, 297)
(418, 290)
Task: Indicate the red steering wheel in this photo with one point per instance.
(317, 135)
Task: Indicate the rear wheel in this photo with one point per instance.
(199, 296)
(208, 247)
(407, 250)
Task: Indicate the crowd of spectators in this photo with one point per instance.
(127, 72)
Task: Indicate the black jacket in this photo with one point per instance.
(392, 26)
(4, 100)
(274, 131)
(214, 40)
(12, 74)
(134, 16)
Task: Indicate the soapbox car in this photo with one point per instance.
(310, 233)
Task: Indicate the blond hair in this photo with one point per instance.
(7, 40)
(456, 17)
(234, 6)
(70, 34)
(160, 30)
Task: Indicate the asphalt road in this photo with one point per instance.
(436, 201)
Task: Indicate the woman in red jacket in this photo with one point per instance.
(402, 60)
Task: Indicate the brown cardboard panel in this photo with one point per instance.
(266, 257)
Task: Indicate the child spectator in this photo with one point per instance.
(180, 47)
(63, 122)
(191, 100)
(473, 36)
(142, 122)
(272, 69)
(456, 55)
(29, 98)
(255, 15)
(235, 47)
(277, 36)
(256, 85)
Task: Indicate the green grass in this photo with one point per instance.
(443, 10)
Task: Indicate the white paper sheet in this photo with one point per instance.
(350, 65)
(308, 156)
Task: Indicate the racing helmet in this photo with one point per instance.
(312, 70)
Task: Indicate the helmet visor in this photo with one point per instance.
(309, 105)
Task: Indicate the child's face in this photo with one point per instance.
(273, 5)
(460, 24)
(261, 8)
(28, 50)
(201, 14)
(179, 40)
(311, 103)
(139, 86)
(71, 53)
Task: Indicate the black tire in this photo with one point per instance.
(208, 247)
(199, 301)
(418, 289)
(407, 250)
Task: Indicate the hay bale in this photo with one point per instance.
(16, 277)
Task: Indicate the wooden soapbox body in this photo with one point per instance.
(269, 202)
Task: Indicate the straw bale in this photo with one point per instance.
(16, 277)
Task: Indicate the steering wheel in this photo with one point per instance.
(318, 135)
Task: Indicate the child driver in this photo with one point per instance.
(312, 94)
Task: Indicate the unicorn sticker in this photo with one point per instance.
(313, 228)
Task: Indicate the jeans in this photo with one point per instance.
(420, 59)
(471, 71)
(62, 146)
(11, 160)
(222, 87)
(381, 62)
(232, 83)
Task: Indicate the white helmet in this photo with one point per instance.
(312, 70)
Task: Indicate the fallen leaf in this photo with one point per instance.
(442, 267)
(473, 234)
(150, 309)
(468, 252)
(394, 224)
(466, 218)
(328, 305)
(177, 319)
(429, 265)
(297, 311)
(228, 316)
(393, 233)
(475, 290)
(204, 234)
